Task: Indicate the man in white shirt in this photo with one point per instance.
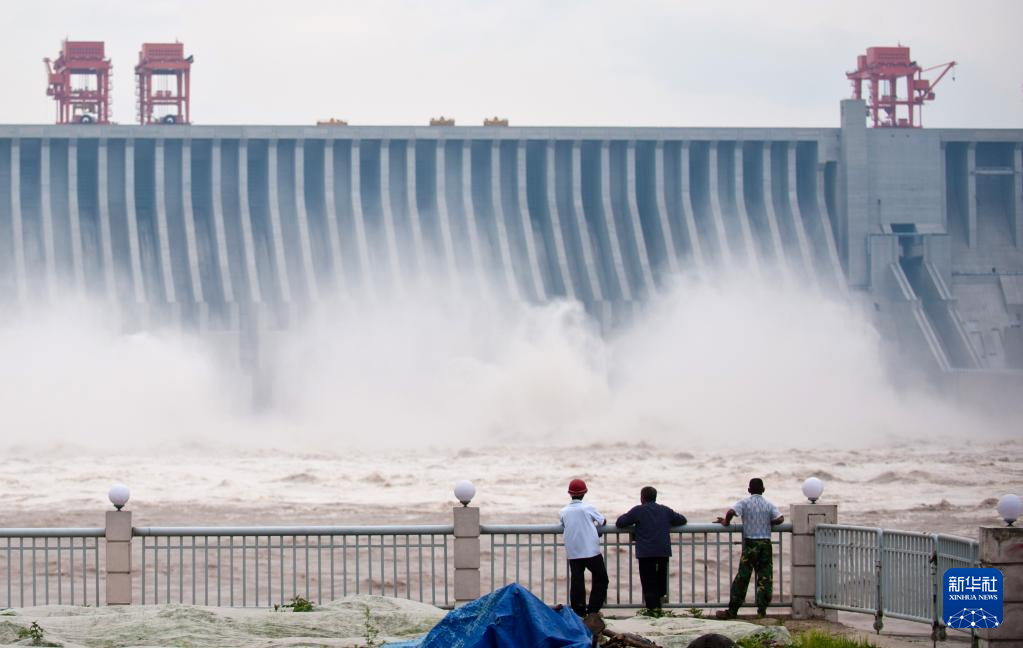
(583, 549)
(758, 515)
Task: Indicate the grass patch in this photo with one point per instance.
(297, 604)
(809, 639)
(758, 640)
(820, 639)
(35, 635)
(370, 630)
(655, 614)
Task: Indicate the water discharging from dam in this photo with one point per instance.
(731, 361)
(388, 285)
(235, 228)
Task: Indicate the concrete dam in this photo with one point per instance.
(226, 229)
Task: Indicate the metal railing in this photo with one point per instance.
(44, 566)
(705, 557)
(887, 573)
(265, 566)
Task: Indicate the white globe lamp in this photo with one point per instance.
(813, 488)
(1010, 507)
(464, 491)
(119, 495)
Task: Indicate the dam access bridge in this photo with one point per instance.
(227, 229)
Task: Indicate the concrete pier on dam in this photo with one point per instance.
(240, 229)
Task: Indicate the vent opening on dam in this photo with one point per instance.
(243, 231)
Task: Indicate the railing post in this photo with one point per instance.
(879, 577)
(118, 558)
(803, 558)
(937, 628)
(1002, 548)
(467, 554)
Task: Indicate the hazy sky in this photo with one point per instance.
(735, 63)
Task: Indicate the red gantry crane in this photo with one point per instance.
(888, 71)
(163, 77)
(79, 81)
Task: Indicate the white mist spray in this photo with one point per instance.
(733, 361)
(69, 378)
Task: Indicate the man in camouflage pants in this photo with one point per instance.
(758, 515)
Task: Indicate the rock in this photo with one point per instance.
(712, 640)
(679, 632)
(345, 622)
(594, 623)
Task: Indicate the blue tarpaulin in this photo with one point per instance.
(508, 618)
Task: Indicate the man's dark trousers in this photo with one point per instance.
(598, 588)
(756, 557)
(653, 577)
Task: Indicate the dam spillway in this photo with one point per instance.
(164, 222)
(216, 227)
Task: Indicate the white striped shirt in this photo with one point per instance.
(756, 513)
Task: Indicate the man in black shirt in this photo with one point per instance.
(653, 524)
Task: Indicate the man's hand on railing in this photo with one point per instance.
(727, 520)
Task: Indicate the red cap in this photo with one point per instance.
(577, 487)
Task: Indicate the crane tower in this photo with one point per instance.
(79, 81)
(163, 84)
(888, 72)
